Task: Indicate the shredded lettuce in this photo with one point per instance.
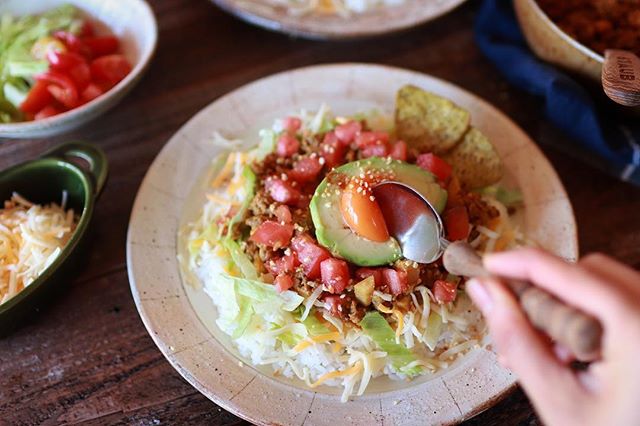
(250, 191)
(378, 329)
(268, 141)
(266, 294)
(244, 316)
(314, 326)
(240, 259)
(508, 197)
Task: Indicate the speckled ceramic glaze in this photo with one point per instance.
(552, 44)
(180, 317)
(382, 20)
(131, 20)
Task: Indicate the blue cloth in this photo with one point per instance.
(610, 144)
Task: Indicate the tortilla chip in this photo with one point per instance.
(429, 122)
(475, 161)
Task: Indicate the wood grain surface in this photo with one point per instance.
(87, 358)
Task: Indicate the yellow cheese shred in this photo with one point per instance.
(314, 340)
(400, 319)
(333, 374)
(225, 172)
(216, 199)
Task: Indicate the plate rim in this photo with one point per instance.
(228, 404)
(303, 29)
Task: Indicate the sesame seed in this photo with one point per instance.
(321, 160)
(284, 176)
(372, 198)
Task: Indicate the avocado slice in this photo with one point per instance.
(333, 232)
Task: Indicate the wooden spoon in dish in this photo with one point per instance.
(621, 77)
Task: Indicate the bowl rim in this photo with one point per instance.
(592, 54)
(90, 196)
(136, 72)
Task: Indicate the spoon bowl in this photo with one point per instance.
(412, 220)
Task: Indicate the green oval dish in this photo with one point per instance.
(43, 181)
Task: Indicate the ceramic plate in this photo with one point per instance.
(180, 317)
(382, 20)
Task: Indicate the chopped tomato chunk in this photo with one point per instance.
(104, 45)
(332, 150)
(285, 264)
(282, 191)
(456, 222)
(292, 124)
(310, 255)
(306, 169)
(335, 274)
(370, 138)
(287, 145)
(283, 282)
(61, 87)
(395, 280)
(434, 164)
(64, 61)
(377, 149)
(335, 304)
(38, 98)
(283, 213)
(48, 111)
(73, 42)
(347, 132)
(91, 92)
(444, 291)
(376, 273)
(399, 151)
(110, 69)
(272, 234)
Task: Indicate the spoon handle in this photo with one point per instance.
(621, 77)
(579, 332)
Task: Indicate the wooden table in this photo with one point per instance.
(86, 357)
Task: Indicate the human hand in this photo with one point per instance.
(608, 392)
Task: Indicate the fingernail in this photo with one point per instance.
(480, 295)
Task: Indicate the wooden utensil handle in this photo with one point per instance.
(580, 333)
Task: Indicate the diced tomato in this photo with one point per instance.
(370, 138)
(37, 98)
(61, 87)
(283, 213)
(399, 151)
(335, 274)
(285, 264)
(456, 222)
(100, 46)
(63, 61)
(287, 145)
(282, 191)
(347, 132)
(91, 92)
(335, 304)
(454, 190)
(292, 124)
(73, 43)
(310, 255)
(377, 149)
(434, 164)
(395, 280)
(86, 30)
(306, 170)
(362, 273)
(272, 234)
(46, 112)
(283, 282)
(110, 69)
(332, 150)
(444, 291)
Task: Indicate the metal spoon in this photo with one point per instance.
(412, 220)
(417, 226)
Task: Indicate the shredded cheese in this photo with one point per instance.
(400, 319)
(225, 173)
(31, 238)
(333, 374)
(315, 340)
(216, 199)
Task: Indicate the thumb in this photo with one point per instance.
(550, 385)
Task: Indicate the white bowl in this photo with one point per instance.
(132, 21)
